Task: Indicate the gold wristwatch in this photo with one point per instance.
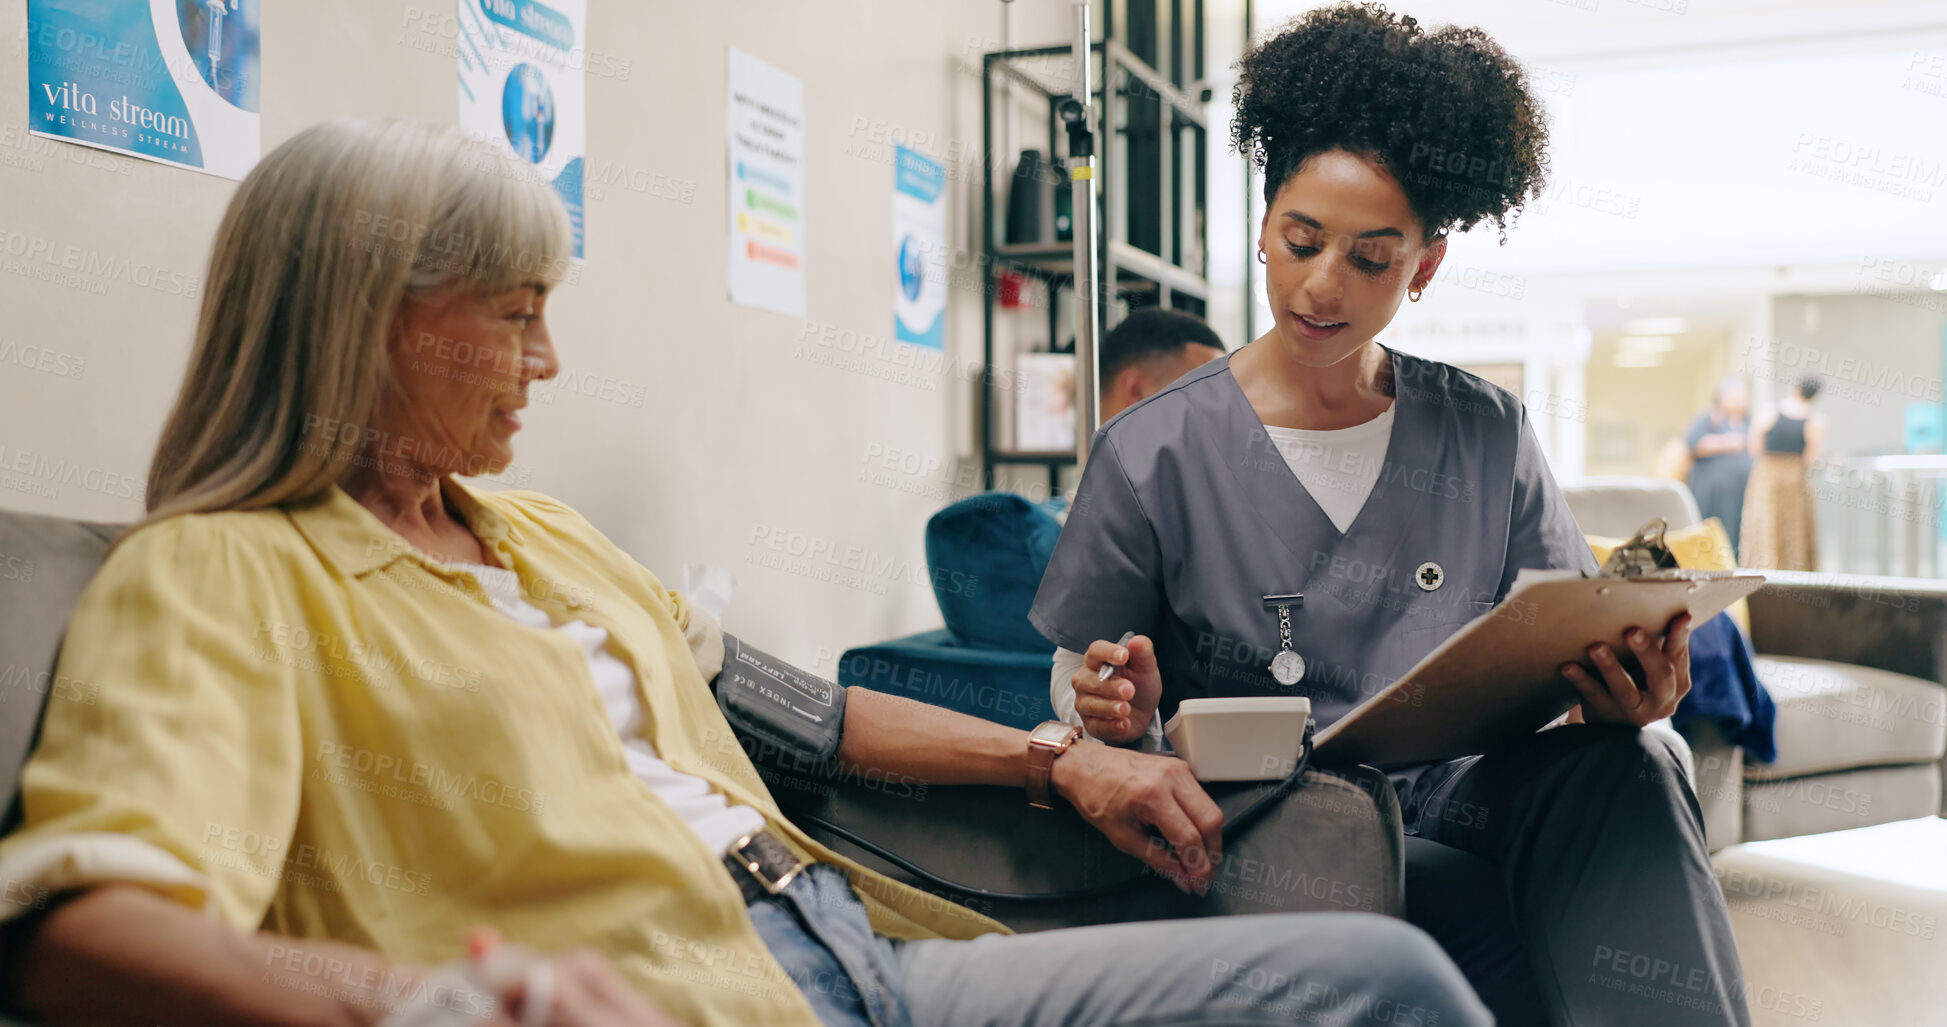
(1045, 742)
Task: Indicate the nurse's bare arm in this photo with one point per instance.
(1124, 794)
(120, 954)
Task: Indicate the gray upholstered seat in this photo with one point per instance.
(1856, 668)
(1616, 506)
(45, 562)
(1841, 716)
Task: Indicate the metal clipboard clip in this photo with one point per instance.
(1645, 555)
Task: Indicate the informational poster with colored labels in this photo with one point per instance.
(919, 249)
(524, 86)
(766, 131)
(174, 81)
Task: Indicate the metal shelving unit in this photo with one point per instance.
(1152, 188)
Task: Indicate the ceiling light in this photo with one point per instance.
(1655, 326)
(1647, 343)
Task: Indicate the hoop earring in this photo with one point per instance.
(1261, 258)
(1413, 295)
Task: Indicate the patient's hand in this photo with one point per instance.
(1616, 698)
(1118, 710)
(1127, 794)
(588, 992)
(578, 989)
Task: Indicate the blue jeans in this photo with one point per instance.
(817, 931)
(1342, 969)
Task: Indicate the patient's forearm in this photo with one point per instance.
(121, 955)
(890, 733)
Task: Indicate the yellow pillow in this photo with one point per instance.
(1700, 547)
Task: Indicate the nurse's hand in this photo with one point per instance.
(1615, 697)
(1118, 710)
(1134, 797)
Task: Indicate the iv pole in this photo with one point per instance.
(216, 12)
(1077, 111)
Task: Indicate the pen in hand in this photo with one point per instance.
(1108, 669)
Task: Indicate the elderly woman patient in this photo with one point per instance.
(351, 710)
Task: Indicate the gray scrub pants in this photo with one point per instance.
(1567, 875)
(1342, 969)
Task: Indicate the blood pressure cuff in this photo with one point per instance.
(769, 700)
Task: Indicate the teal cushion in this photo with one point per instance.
(987, 554)
(1003, 686)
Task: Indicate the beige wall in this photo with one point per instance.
(741, 437)
(1875, 354)
(1635, 411)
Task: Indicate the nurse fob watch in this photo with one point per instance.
(1287, 667)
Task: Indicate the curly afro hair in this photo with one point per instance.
(1448, 112)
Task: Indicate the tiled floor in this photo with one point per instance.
(1848, 928)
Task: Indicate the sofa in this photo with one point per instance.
(1857, 668)
(985, 555)
(1344, 828)
(45, 562)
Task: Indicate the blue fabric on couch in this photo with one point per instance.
(987, 554)
(1002, 685)
(1724, 689)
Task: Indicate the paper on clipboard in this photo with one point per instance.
(1497, 678)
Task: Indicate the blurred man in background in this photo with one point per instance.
(1151, 348)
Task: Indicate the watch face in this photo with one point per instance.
(1287, 667)
(1053, 733)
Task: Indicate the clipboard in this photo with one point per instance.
(1497, 678)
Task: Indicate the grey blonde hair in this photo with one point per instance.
(321, 244)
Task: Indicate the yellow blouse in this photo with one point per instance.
(298, 721)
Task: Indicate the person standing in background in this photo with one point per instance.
(1721, 458)
(1778, 506)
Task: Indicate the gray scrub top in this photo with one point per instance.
(1188, 515)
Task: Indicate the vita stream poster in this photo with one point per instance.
(173, 81)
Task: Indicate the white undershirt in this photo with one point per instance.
(707, 812)
(1338, 467)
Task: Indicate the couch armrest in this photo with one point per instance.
(1718, 782)
(1892, 624)
(1332, 845)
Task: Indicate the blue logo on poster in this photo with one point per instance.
(912, 268)
(527, 110)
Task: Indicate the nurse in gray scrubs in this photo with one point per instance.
(1566, 874)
